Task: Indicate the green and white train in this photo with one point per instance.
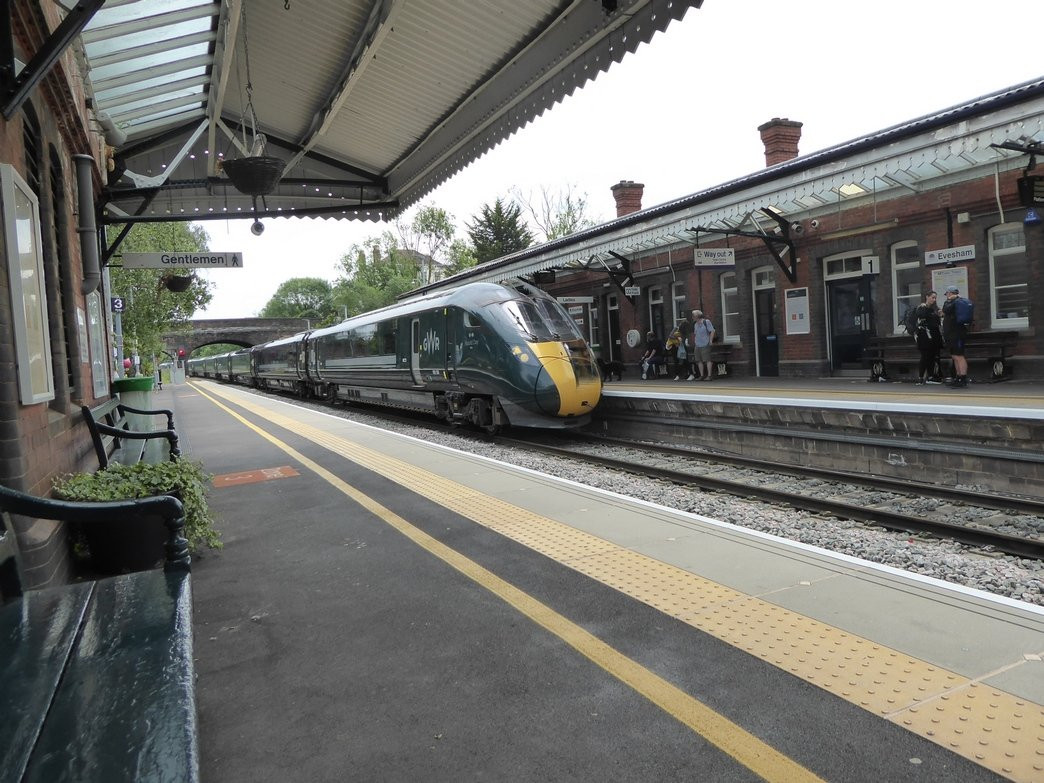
(483, 354)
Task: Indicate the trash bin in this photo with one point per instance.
(136, 392)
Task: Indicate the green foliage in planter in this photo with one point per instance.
(143, 480)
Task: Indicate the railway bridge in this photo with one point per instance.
(244, 332)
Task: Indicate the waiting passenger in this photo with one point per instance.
(654, 355)
(674, 352)
(928, 336)
(956, 319)
(702, 337)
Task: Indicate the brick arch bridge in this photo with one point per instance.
(236, 331)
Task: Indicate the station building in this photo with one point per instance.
(805, 264)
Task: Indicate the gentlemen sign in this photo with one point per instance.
(722, 256)
(204, 260)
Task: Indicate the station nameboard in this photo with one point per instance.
(950, 255)
(203, 260)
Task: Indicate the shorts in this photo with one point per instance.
(955, 343)
(701, 353)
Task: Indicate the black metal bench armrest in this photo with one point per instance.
(168, 413)
(117, 432)
(166, 506)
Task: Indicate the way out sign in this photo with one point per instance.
(719, 256)
(204, 260)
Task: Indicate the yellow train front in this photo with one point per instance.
(482, 354)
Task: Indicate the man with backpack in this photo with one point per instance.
(956, 319)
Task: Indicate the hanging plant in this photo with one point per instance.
(177, 283)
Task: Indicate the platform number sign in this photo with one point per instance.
(117, 304)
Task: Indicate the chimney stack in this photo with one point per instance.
(628, 197)
(780, 137)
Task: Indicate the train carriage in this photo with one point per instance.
(484, 354)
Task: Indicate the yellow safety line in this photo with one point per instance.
(757, 756)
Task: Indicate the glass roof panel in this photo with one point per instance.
(118, 43)
(132, 12)
(150, 61)
(105, 96)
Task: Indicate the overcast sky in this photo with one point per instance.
(681, 114)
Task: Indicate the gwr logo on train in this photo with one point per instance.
(431, 342)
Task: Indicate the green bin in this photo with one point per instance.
(136, 392)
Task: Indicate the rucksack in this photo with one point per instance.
(910, 320)
(964, 311)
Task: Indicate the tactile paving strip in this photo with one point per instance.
(992, 728)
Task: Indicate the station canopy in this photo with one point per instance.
(332, 108)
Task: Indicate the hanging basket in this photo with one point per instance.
(254, 176)
(177, 283)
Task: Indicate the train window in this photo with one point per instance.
(386, 337)
(558, 319)
(472, 321)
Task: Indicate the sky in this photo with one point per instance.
(681, 115)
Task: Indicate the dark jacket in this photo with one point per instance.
(928, 335)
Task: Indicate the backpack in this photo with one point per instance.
(910, 320)
(964, 310)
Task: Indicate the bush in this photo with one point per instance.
(184, 478)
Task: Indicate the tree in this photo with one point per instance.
(498, 231)
(375, 274)
(557, 214)
(461, 256)
(152, 309)
(303, 297)
(429, 234)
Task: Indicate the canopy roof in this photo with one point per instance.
(367, 104)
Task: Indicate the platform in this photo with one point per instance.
(385, 609)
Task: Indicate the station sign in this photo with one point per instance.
(632, 290)
(116, 304)
(950, 255)
(719, 256)
(571, 300)
(180, 260)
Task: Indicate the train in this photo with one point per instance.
(483, 354)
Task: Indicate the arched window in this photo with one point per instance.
(907, 280)
(1009, 287)
(730, 320)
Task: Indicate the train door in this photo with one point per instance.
(415, 349)
(765, 332)
(849, 295)
(614, 350)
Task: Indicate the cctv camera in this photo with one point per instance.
(258, 228)
(813, 224)
(797, 228)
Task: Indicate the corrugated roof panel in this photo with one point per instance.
(439, 82)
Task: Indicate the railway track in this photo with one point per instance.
(839, 494)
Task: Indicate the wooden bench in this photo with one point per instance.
(97, 678)
(115, 441)
(882, 355)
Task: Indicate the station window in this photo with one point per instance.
(656, 312)
(21, 216)
(730, 316)
(1009, 288)
(678, 307)
(907, 280)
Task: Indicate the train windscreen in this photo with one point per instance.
(542, 320)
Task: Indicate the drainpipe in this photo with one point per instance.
(86, 228)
